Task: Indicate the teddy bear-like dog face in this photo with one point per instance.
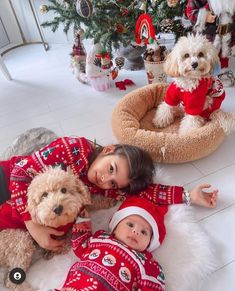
(192, 57)
(55, 197)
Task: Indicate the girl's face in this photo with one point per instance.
(109, 171)
(134, 231)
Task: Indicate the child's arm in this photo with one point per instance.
(202, 198)
(42, 235)
(81, 233)
(154, 279)
(166, 195)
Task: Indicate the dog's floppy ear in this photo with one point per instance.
(84, 192)
(32, 198)
(171, 67)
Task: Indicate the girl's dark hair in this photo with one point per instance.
(141, 166)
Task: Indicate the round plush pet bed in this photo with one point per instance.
(132, 124)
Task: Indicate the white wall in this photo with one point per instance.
(27, 23)
(4, 40)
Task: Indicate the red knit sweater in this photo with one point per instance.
(194, 100)
(66, 151)
(107, 264)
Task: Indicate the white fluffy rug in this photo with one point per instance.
(186, 254)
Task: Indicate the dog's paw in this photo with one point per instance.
(164, 115)
(190, 122)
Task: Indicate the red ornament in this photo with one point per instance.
(122, 84)
(120, 28)
(144, 29)
(124, 11)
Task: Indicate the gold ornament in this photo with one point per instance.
(43, 9)
(172, 3)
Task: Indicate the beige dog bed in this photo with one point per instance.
(132, 124)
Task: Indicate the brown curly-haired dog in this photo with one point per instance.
(55, 198)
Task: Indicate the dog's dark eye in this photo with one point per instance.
(63, 190)
(201, 55)
(44, 195)
(186, 56)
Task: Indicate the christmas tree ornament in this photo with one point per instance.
(119, 61)
(84, 8)
(120, 28)
(167, 25)
(172, 3)
(124, 11)
(144, 29)
(43, 9)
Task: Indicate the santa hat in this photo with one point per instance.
(152, 213)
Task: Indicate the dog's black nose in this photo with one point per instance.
(194, 65)
(58, 209)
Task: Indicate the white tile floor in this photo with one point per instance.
(45, 93)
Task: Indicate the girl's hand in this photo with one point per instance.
(201, 198)
(43, 236)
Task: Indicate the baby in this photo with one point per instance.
(121, 259)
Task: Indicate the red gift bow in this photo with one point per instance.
(122, 84)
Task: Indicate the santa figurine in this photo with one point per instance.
(216, 19)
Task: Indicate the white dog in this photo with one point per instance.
(190, 63)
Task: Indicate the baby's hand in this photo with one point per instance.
(44, 236)
(210, 18)
(201, 198)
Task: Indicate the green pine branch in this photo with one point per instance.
(107, 15)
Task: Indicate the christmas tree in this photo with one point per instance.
(112, 22)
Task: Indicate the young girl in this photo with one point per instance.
(122, 259)
(115, 171)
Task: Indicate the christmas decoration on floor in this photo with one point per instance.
(155, 54)
(99, 68)
(78, 57)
